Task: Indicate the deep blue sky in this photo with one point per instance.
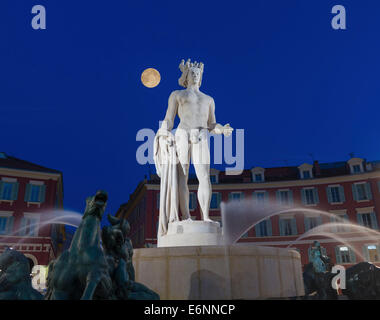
(71, 97)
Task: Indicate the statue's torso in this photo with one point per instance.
(193, 109)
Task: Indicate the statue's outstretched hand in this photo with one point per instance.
(227, 130)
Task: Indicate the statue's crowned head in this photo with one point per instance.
(192, 73)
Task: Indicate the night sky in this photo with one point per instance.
(71, 98)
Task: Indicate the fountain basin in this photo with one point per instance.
(240, 271)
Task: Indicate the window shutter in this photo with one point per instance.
(352, 255)
(1, 189)
(365, 253)
(218, 199)
(303, 196)
(242, 195)
(368, 191)
(360, 219)
(266, 197)
(278, 198)
(319, 219)
(329, 195)
(337, 255)
(316, 198)
(10, 225)
(27, 192)
(347, 229)
(269, 227)
(282, 231)
(294, 226)
(307, 224)
(230, 196)
(374, 221)
(23, 227)
(290, 197)
(309, 253)
(334, 228)
(257, 230)
(341, 194)
(42, 194)
(355, 192)
(15, 191)
(324, 251)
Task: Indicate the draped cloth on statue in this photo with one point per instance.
(165, 159)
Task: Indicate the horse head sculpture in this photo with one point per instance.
(96, 205)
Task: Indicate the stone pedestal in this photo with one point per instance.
(240, 271)
(191, 233)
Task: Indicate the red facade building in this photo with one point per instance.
(348, 190)
(27, 193)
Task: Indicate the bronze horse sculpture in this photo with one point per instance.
(81, 272)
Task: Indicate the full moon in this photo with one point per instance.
(150, 78)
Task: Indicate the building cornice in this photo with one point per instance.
(30, 174)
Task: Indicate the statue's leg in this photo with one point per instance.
(142, 292)
(201, 158)
(183, 190)
(93, 279)
(183, 153)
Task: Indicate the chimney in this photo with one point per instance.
(317, 169)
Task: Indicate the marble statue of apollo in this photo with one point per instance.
(172, 153)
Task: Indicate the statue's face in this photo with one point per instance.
(194, 76)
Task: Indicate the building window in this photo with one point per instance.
(264, 228)
(340, 218)
(258, 174)
(335, 194)
(371, 253)
(216, 198)
(6, 223)
(344, 255)
(192, 201)
(29, 226)
(35, 193)
(158, 200)
(8, 190)
(368, 220)
(284, 197)
(288, 226)
(312, 222)
(356, 165)
(362, 191)
(309, 196)
(236, 196)
(260, 197)
(306, 174)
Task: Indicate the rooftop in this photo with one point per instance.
(320, 170)
(10, 162)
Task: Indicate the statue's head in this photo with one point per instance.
(192, 73)
(122, 224)
(10, 256)
(96, 205)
